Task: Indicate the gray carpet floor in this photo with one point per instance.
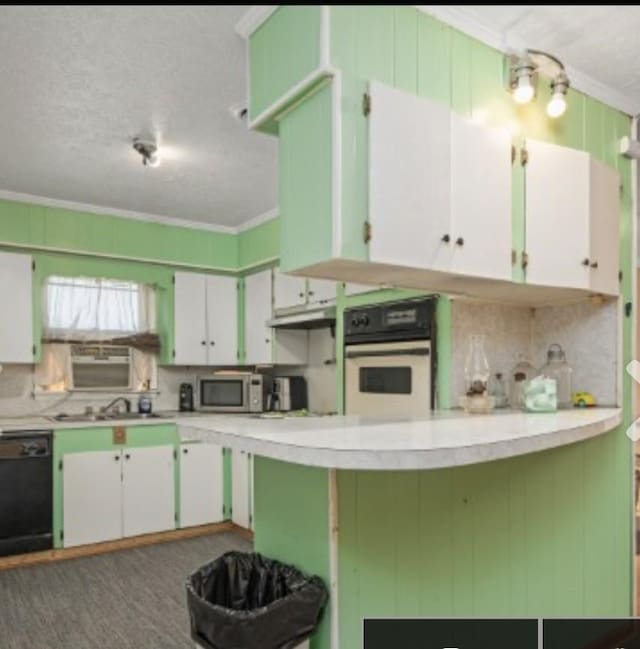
(133, 599)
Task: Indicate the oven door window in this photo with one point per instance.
(385, 380)
(221, 393)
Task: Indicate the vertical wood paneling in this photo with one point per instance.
(375, 43)
(594, 128)
(434, 59)
(464, 493)
(405, 59)
(461, 48)
(518, 565)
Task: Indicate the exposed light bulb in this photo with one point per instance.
(557, 105)
(524, 91)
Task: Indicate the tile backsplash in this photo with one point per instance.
(588, 332)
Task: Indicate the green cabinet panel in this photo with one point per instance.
(306, 188)
(283, 51)
(100, 438)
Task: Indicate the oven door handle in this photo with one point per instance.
(417, 351)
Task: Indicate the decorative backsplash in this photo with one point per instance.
(588, 332)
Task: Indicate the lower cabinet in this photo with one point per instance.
(108, 495)
(242, 489)
(201, 484)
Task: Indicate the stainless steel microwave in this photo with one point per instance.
(234, 392)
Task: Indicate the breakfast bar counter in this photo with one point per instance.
(504, 514)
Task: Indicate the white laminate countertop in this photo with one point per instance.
(444, 439)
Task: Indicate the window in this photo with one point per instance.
(86, 307)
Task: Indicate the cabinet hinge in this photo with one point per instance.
(33, 350)
(250, 519)
(33, 264)
(524, 156)
(173, 353)
(173, 279)
(621, 189)
(60, 465)
(366, 232)
(513, 153)
(62, 535)
(175, 517)
(366, 104)
(224, 510)
(620, 275)
(525, 259)
(175, 454)
(230, 510)
(514, 257)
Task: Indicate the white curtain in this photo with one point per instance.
(93, 308)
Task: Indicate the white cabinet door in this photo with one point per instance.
(201, 484)
(222, 320)
(148, 497)
(92, 497)
(557, 215)
(480, 200)
(241, 488)
(321, 290)
(604, 259)
(16, 297)
(258, 309)
(190, 332)
(288, 290)
(409, 170)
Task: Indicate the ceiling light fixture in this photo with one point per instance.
(523, 75)
(149, 152)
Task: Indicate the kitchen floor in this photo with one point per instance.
(133, 599)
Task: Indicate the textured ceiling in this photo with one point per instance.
(599, 41)
(78, 83)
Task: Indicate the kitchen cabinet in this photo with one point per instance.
(430, 207)
(201, 484)
(288, 290)
(92, 497)
(148, 496)
(264, 344)
(320, 291)
(206, 316)
(572, 217)
(351, 288)
(242, 488)
(114, 494)
(16, 294)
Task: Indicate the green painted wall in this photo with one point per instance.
(306, 165)
(282, 52)
(259, 244)
(100, 438)
(291, 512)
(50, 228)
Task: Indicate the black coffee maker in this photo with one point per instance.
(186, 397)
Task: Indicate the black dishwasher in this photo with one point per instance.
(26, 491)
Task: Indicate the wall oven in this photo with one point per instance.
(237, 392)
(389, 358)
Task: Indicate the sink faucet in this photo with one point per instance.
(127, 404)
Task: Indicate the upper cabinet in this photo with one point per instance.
(439, 188)
(572, 218)
(206, 320)
(292, 291)
(16, 293)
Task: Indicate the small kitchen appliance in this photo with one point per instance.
(289, 393)
(185, 403)
(234, 392)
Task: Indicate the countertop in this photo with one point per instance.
(444, 439)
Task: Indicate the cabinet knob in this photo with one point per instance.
(300, 294)
(585, 261)
(459, 241)
(594, 264)
(446, 238)
(127, 457)
(267, 340)
(185, 450)
(212, 342)
(311, 293)
(116, 458)
(204, 342)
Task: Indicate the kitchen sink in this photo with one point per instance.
(100, 416)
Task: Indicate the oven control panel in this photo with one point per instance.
(407, 320)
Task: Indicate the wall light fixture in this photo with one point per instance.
(522, 77)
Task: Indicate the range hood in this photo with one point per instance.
(317, 318)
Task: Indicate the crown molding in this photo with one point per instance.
(258, 220)
(461, 19)
(109, 211)
(253, 19)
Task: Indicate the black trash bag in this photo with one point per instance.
(246, 601)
